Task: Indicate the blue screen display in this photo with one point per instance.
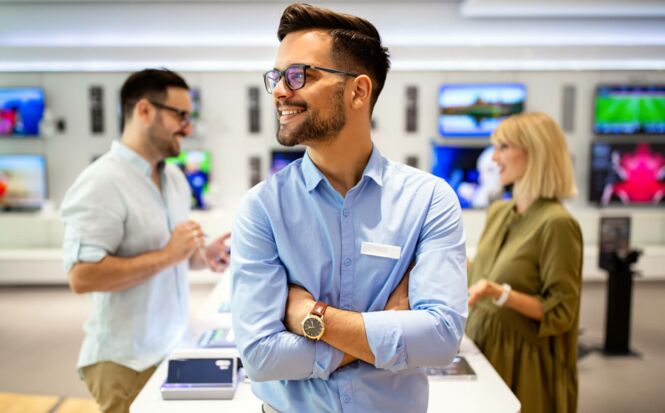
(475, 110)
(21, 111)
(22, 182)
(471, 172)
(281, 159)
(200, 371)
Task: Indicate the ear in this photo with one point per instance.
(144, 111)
(361, 94)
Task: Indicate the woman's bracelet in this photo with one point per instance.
(504, 295)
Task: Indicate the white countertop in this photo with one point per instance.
(487, 393)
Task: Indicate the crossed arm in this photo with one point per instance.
(267, 312)
(345, 330)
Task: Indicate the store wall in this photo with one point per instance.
(222, 46)
(224, 127)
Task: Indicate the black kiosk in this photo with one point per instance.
(617, 258)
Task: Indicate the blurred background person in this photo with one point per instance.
(526, 276)
(129, 241)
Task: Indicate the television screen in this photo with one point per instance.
(628, 174)
(21, 111)
(195, 164)
(477, 109)
(471, 172)
(22, 182)
(280, 158)
(630, 110)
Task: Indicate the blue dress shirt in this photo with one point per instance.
(114, 208)
(296, 229)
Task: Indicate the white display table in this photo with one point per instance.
(487, 393)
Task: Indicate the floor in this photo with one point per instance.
(40, 334)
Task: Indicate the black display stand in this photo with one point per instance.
(619, 297)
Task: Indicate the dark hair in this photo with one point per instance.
(356, 44)
(148, 83)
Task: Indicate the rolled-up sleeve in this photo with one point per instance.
(258, 305)
(561, 268)
(429, 334)
(93, 216)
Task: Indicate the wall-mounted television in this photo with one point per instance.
(475, 110)
(22, 182)
(281, 158)
(627, 173)
(21, 111)
(629, 110)
(471, 172)
(195, 164)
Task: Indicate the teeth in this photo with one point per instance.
(290, 112)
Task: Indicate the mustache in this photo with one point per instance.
(289, 103)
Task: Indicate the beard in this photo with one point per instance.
(314, 128)
(164, 141)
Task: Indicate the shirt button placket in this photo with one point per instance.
(348, 242)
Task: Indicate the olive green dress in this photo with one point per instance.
(538, 253)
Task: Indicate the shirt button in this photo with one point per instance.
(346, 399)
(346, 212)
(347, 261)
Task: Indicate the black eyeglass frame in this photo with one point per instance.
(184, 116)
(304, 67)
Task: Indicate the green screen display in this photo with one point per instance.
(630, 110)
(195, 164)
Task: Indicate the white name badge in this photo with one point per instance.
(381, 250)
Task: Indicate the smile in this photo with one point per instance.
(288, 114)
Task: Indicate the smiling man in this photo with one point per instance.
(129, 242)
(328, 248)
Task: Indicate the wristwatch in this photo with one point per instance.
(313, 326)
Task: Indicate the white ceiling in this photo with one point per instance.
(225, 35)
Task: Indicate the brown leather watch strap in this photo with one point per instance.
(319, 309)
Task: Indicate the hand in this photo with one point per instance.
(299, 303)
(399, 298)
(186, 238)
(217, 253)
(484, 288)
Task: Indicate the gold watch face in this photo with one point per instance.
(312, 327)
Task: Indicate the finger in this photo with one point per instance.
(472, 299)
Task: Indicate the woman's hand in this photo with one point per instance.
(484, 288)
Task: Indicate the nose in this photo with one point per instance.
(495, 155)
(281, 90)
(188, 129)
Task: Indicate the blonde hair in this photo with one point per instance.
(549, 170)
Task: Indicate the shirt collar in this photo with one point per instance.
(373, 170)
(128, 154)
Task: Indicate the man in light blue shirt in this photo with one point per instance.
(129, 243)
(321, 249)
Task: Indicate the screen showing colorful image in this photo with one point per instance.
(471, 172)
(630, 110)
(195, 94)
(281, 159)
(476, 110)
(628, 174)
(22, 182)
(195, 164)
(21, 111)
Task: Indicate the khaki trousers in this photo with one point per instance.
(114, 386)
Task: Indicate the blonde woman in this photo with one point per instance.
(526, 276)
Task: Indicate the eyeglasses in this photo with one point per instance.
(184, 116)
(295, 76)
